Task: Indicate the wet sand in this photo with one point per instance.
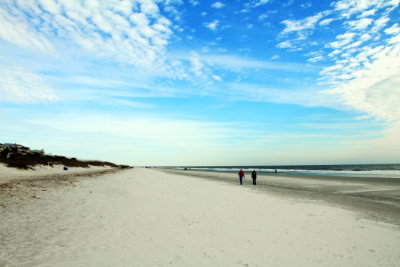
(373, 198)
(142, 217)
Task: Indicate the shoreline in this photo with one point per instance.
(375, 198)
(308, 176)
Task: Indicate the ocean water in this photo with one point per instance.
(359, 170)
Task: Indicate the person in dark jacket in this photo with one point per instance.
(241, 176)
(254, 177)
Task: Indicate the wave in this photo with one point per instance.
(370, 170)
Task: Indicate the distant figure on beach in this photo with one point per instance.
(241, 176)
(276, 171)
(254, 177)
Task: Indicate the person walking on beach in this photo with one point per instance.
(254, 177)
(241, 176)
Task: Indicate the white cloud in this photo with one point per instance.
(262, 17)
(358, 25)
(123, 102)
(16, 29)
(300, 30)
(217, 5)
(213, 25)
(248, 6)
(21, 85)
(285, 44)
(316, 59)
(261, 2)
(350, 7)
(379, 24)
(308, 23)
(306, 5)
(372, 88)
(104, 28)
(325, 22)
(216, 77)
(365, 73)
(366, 78)
(194, 2)
(197, 65)
(343, 39)
(395, 29)
(365, 37)
(256, 3)
(389, 143)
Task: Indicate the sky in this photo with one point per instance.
(190, 82)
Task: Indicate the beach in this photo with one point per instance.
(8, 175)
(375, 198)
(149, 217)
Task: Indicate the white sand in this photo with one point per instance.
(9, 174)
(144, 217)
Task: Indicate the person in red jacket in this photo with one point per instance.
(241, 176)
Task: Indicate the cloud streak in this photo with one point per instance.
(23, 86)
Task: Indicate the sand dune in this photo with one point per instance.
(40, 171)
(144, 217)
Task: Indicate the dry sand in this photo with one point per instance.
(40, 171)
(144, 217)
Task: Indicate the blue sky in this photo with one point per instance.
(185, 82)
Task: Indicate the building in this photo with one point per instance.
(38, 151)
(15, 148)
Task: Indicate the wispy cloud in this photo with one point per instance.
(197, 65)
(146, 135)
(300, 97)
(237, 63)
(256, 3)
(21, 85)
(17, 30)
(194, 2)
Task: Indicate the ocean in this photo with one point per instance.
(355, 170)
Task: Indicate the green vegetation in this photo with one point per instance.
(21, 157)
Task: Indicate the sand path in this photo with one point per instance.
(144, 217)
